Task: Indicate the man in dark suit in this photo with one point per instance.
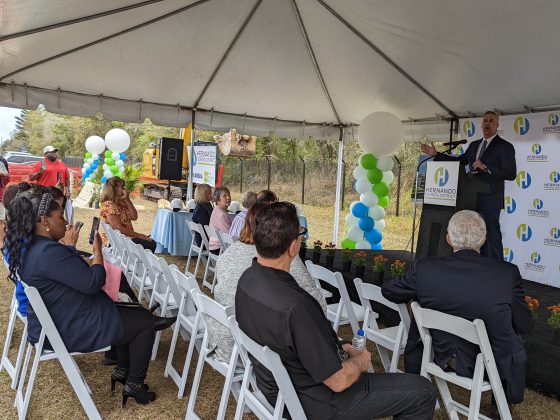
(493, 160)
(468, 285)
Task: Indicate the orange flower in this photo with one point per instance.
(379, 262)
(360, 258)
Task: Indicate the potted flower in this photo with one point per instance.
(398, 268)
(317, 247)
(360, 263)
(302, 248)
(346, 260)
(379, 262)
(533, 305)
(554, 323)
(330, 249)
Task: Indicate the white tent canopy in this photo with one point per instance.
(296, 67)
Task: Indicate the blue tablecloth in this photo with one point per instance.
(303, 224)
(171, 233)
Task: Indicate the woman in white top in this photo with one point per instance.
(229, 268)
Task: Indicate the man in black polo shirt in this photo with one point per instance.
(331, 380)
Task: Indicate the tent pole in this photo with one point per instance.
(338, 184)
(191, 157)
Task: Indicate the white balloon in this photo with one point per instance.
(380, 133)
(355, 233)
(117, 140)
(116, 156)
(385, 163)
(119, 163)
(363, 186)
(95, 144)
(388, 177)
(108, 174)
(95, 156)
(121, 169)
(377, 213)
(84, 170)
(86, 165)
(351, 220)
(363, 244)
(90, 160)
(105, 167)
(380, 224)
(369, 199)
(359, 173)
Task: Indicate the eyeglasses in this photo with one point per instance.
(303, 232)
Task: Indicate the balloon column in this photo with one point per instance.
(117, 141)
(380, 134)
(94, 146)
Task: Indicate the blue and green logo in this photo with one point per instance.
(508, 254)
(509, 204)
(523, 179)
(552, 119)
(537, 203)
(441, 176)
(469, 128)
(555, 233)
(535, 257)
(521, 126)
(536, 149)
(524, 232)
(554, 177)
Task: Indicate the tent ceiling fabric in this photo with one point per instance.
(246, 63)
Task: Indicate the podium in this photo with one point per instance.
(435, 218)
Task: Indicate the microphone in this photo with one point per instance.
(455, 143)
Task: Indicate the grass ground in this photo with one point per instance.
(53, 397)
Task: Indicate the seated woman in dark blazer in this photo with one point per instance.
(203, 209)
(86, 318)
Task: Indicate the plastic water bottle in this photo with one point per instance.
(359, 340)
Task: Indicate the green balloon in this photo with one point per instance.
(114, 169)
(381, 189)
(108, 153)
(109, 161)
(383, 201)
(348, 243)
(85, 159)
(368, 161)
(88, 155)
(375, 175)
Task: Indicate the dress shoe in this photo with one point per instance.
(163, 323)
(138, 392)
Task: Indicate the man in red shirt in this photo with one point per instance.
(51, 171)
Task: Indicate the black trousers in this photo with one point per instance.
(151, 244)
(401, 395)
(134, 348)
(493, 247)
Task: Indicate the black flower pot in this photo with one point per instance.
(377, 277)
(329, 261)
(302, 252)
(316, 257)
(360, 270)
(346, 265)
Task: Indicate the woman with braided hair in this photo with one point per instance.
(86, 318)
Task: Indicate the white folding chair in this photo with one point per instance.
(210, 262)
(209, 307)
(13, 368)
(391, 338)
(250, 395)
(201, 251)
(474, 332)
(164, 292)
(345, 311)
(142, 277)
(187, 321)
(213, 233)
(109, 233)
(226, 240)
(49, 331)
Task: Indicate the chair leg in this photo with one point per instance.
(9, 333)
(196, 383)
(447, 399)
(227, 386)
(169, 363)
(19, 358)
(188, 359)
(476, 391)
(22, 400)
(241, 401)
(384, 355)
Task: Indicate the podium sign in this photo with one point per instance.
(441, 183)
(204, 167)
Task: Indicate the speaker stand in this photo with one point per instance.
(168, 190)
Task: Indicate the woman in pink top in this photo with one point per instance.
(219, 220)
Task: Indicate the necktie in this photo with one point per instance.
(482, 149)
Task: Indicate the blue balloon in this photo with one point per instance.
(122, 156)
(104, 179)
(374, 236)
(360, 210)
(366, 223)
(376, 247)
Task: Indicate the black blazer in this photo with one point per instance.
(499, 158)
(86, 318)
(201, 214)
(469, 285)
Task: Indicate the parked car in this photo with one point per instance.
(21, 157)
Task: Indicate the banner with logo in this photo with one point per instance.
(204, 167)
(530, 221)
(441, 183)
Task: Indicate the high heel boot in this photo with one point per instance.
(119, 375)
(138, 392)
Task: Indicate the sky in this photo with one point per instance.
(7, 121)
